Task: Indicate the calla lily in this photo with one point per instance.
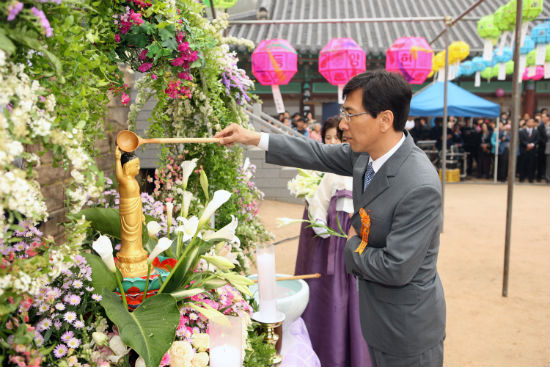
(281, 221)
(187, 197)
(187, 168)
(104, 249)
(163, 245)
(220, 197)
(153, 228)
(188, 227)
(219, 262)
(225, 233)
(169, 211)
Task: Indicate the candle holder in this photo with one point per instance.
(274, 334)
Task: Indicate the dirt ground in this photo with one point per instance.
(483, 328)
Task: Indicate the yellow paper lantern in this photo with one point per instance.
(439, 60)
(458, 51)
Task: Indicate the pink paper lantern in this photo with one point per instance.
(274, 62)
(341, 59)
(539, 74)
(411, 57)
(499, 92)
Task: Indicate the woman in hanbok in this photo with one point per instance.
(332, 314)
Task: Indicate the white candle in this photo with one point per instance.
(265, 257)
(225, 356)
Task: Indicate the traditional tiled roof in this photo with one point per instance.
(372, 37)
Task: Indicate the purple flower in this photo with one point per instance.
(45, 324)
(60, 351)
(69, 317)
(74, 300)
(14, 9)
(73, 343)
(59, 306)
(145, 67)
(96, 297)
(67, 336)
(57, 324)
(43, 20)
(77, 283)
(78, 324)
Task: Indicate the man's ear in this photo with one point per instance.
(386, 120)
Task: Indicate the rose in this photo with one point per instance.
(201, 341)
(200, 360)
(181, 353)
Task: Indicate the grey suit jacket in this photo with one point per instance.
(401, 298)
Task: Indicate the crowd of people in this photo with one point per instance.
(477, 137)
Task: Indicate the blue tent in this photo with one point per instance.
(460, 103)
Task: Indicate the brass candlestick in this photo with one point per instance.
(274, 332)
(272, 338)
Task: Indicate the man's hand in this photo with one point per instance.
(352, 232)
(118, 153)
(237, 134)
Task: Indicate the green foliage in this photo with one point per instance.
(150, 329)
(258, 352)
(102, 277)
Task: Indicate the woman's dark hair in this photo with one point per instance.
(333, 121)
(383, 90)
(127, 157)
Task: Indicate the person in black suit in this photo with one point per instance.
(528, 140)
(541, 157)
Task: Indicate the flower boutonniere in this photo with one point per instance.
(365, 229)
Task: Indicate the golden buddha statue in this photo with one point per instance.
(132, 258)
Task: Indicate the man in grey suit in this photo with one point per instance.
(402, 305)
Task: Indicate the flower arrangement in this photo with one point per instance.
(305, 183)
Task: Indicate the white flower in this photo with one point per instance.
(117, 346)
(162, 245)
(153, 228)
(99, 338)
(201, 341)
(188, 228)
(200, 359)
(226, 233)
(181, 353)
(104, 248)
(140, 362)
(187, 168)
(169, 211)
(281, 221)
(220, 197)
(187, 197)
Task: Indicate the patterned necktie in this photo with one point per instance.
(369, 175)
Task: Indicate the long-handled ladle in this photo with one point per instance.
(129, 141)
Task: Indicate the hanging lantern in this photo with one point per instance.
(340, 60)
(501, 57)
(533, 73)
(509, 67)
(458, 51)
(411, 57)
(274, 62)
(531, 9)
(489, 32)
(528, 46)
(223, 4)
(479, 65)
(541, 36)
(466, 68)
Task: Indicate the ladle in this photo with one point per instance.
(129, 141)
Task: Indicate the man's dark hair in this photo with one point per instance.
(127, 157)
(333, 121)
(383, 90)
(298, 119)
(295, 115)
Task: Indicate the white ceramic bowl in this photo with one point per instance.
(292, 296)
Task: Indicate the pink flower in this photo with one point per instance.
(165, 360)
(183, 47)
(145, 67)
(143, 55)
(125, 99)
(117, 38)
(136, 18)
(14, 9)
(154, 76)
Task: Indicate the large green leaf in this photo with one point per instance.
(102, 277)
(5, 43)
(150, 329)
(104, 220)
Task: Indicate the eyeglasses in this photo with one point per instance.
(347, 116)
